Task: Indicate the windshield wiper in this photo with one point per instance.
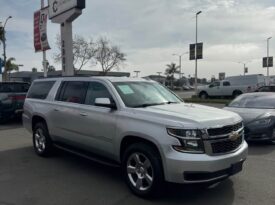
(169, 102)
(148, 105)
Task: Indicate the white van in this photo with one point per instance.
(254, 81)
(232, 86)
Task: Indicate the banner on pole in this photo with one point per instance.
(40, 30)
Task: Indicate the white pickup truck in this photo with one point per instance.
(223, 89)
(232, 86)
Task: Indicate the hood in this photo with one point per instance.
(189, 115)
(249, 114)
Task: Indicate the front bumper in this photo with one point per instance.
(201, 168)
(259, 133)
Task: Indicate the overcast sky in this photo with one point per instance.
(150, 31)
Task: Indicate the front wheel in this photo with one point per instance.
(142, 170)
(203, 95)
(236, 93)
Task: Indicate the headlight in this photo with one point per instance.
(262, 122)
(191, 140)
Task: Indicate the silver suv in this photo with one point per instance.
(138, 124)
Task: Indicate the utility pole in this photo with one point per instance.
(137, 72)
(268, 56)
(244, 66)
(196, 57)
(44, 62)
(5, 48)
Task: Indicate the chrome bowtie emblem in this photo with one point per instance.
(234, 136)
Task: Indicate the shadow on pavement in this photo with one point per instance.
(69, 179)
(260, 148)
(11, 124)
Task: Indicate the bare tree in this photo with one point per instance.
(109, 57)
(84, 51)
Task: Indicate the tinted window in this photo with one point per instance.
(14, 87)
(96, 90)
(40, 90)
(217, 83)
(264, 89)
(73, 92)
(267, 89)
(226, 83)
(254, 101)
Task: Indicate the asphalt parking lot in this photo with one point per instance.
(66, 179)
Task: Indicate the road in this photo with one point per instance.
(185, 94)
(66, 179)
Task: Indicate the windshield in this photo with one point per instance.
(254, 101)
(143, 94)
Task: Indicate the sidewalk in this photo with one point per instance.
(14, 138)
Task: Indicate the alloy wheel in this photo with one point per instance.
(40, 140)
(140, 171)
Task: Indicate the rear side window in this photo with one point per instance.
(14, 87)
(40, 90)
(226, 83)
(73, 92)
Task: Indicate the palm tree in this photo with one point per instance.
(1, 35)
(170, 71)
(9, 67)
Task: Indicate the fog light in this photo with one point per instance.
(192, 143)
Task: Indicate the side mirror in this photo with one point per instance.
(105, 102)
(211, 86)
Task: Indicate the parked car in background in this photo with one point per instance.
(232, 86)
(138, 124)
(269, 88)
(258, 113)
(12, 97)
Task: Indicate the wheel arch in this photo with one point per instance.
(38, 119)
(132, 139)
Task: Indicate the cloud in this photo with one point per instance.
(150, 31)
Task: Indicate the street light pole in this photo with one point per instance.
(180, 57)
(196, 57)
(268, 56)
(5, 46)
(45, 62)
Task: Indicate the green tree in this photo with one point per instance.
(9, 67)
(170, 71)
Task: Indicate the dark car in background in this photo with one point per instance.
(268, 88)
(258, 113)
(12, 97)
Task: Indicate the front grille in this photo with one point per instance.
(225, 146)
(224, 130)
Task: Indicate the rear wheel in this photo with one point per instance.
(203, 95)
(42, 142)
(142, 170)
(236, 93)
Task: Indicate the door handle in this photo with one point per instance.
(83, 114)
(57, 110)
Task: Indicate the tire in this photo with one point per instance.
(203, 95)
(236, 93)
(142, 170)
(272, 142)
(42, 142)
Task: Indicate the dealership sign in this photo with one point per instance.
(40, 30)
(57, 7)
